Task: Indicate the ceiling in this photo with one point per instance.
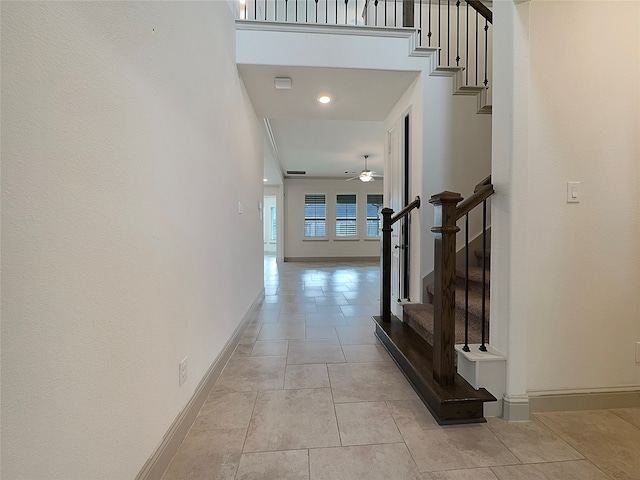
(324, 140)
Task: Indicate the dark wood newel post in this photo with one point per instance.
(385, 266)
(445, 230)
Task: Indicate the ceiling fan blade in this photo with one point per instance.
(352, 178)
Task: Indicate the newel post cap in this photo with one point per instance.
(446, 198)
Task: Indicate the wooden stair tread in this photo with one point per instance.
(459, 403)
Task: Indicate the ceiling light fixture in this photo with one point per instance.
(265, 179)
(324, 99)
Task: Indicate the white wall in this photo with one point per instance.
(127, 142)
(296, 246)
(578, 303)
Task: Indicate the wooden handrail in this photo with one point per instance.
(385, 256)
(483, 183)
(481, 194)
(482, 9)
(406, 210)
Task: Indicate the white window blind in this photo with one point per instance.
(346, 215)
(315, 215)
(374, 204)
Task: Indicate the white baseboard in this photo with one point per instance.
(584, 401)
(155, 467)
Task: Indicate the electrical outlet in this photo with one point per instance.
(183, 370)
(637, 352)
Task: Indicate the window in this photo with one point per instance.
(374, 202)
(273, 223)
(346, 220)
(315, 215)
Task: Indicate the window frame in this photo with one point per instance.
(315, 218)
(377, 218)
(346, 218)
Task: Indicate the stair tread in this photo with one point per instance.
(475, 275)
(413, 355)
(475, 301)
(419, 316)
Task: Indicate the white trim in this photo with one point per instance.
(160, 459)
(360, 30)
(584, 401)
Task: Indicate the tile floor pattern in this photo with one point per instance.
(309, 394)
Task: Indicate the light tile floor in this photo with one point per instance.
(309, 394)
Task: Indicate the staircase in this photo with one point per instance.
(423, 345)
(419, 316)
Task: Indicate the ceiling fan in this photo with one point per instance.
(366, 175)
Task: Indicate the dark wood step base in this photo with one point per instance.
(457, 404)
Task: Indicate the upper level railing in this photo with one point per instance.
(461, 30)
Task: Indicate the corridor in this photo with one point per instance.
(310, 394)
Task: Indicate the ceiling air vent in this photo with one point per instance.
(296, 172)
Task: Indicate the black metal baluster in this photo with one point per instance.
(429, 34)
(336, 12)
(483, 348)
(448, 32)
(466, 285)
(275, 11)
(477, 41)
(466, 57)
(326, 11)
(439, 29)
(265, 10)
(355, 13)
(316, 11)
(296, 11)
(395, 14)
(486, 50)
(346, 3)
(385, 12)
(458, 33)
(286, 10)
(420, 21)
(376, 13)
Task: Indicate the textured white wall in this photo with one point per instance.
(127, 141)
(584, 125)
(572, 287)
(297, 246)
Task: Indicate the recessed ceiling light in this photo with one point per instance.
(324, 99)
(265, 179)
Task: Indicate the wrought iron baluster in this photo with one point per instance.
(385, 12)
(376, 13)
(286, 10)
(255, 9)
(296, 11)
(429, 34)
(306, 11)
(275, 11)
(326, 11)
(458, 33)
(466, 285)
(486, 50)
(448, 32)
(420, 27)
(439, 30)
(395, 14)
(483, 347)
(346, 4)
(316, 11)
(265, 10)
(466, 56)
(477, 41)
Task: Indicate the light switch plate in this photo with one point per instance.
(573, 192)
